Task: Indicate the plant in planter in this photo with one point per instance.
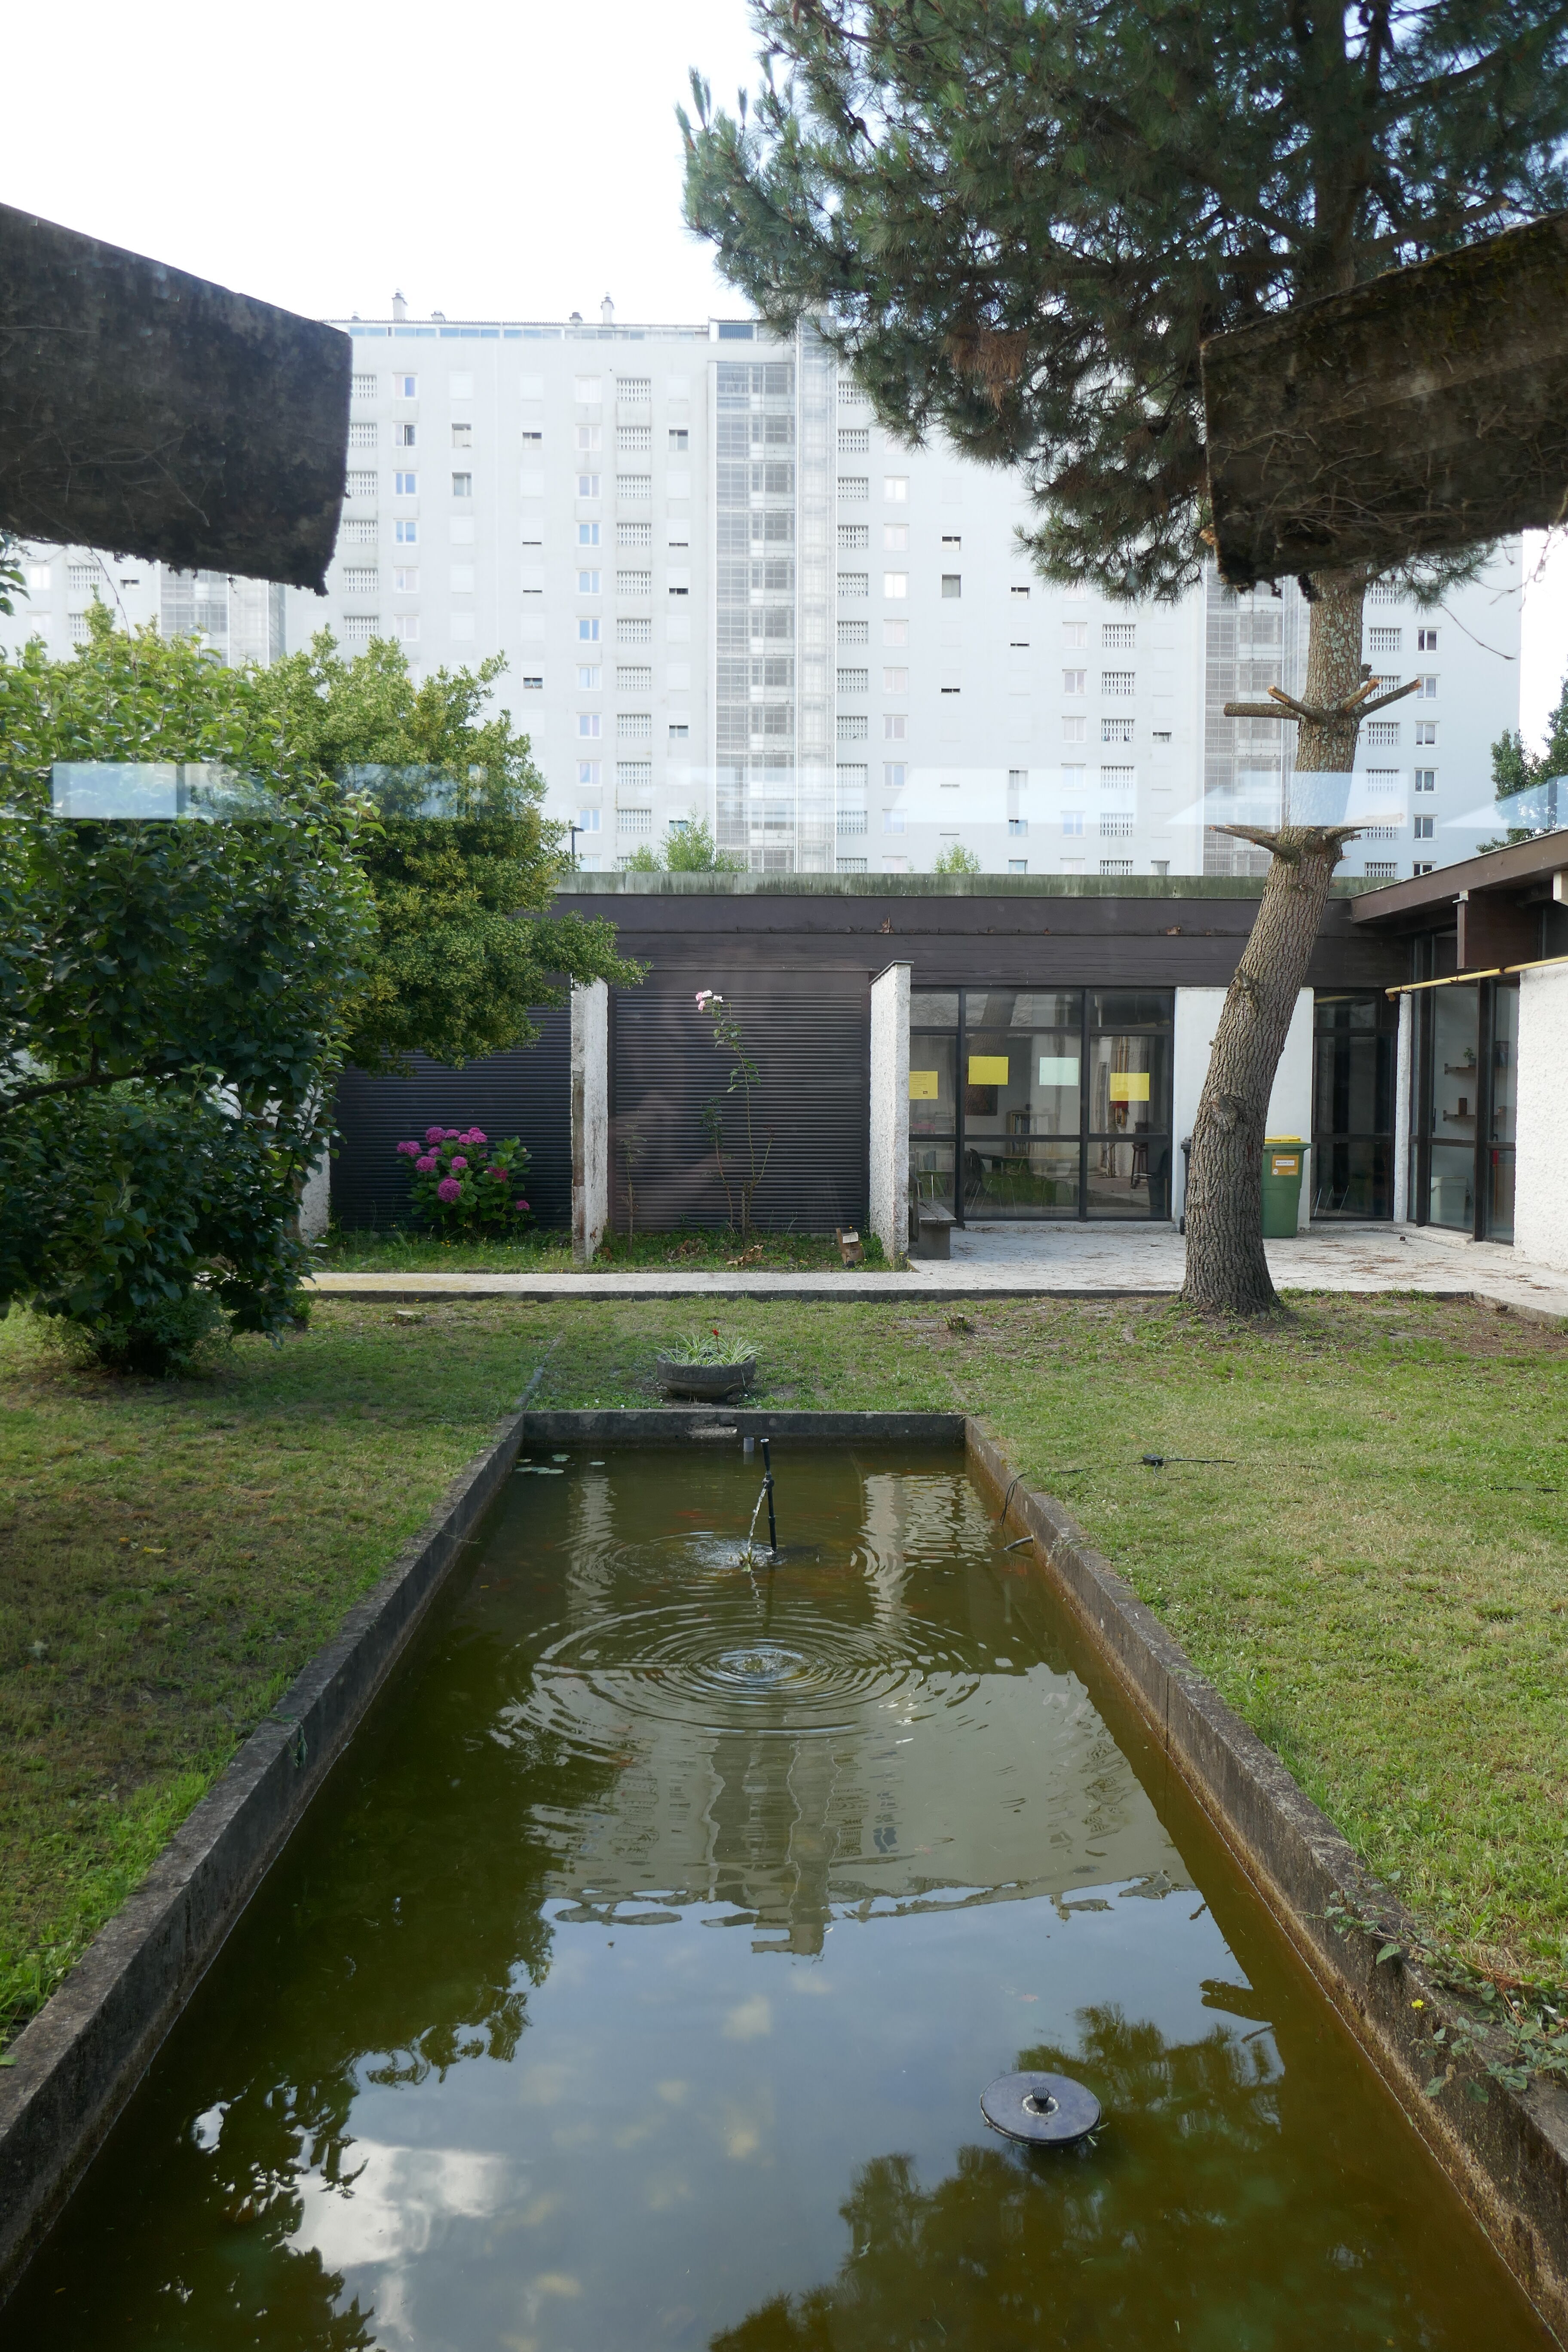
(707, 1365)
(463, 1183)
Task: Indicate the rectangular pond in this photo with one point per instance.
(634, 1981)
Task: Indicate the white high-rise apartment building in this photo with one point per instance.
(723, 590)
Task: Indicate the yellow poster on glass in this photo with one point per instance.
(923, 1086)
(988, 1069)
(1128, 1086)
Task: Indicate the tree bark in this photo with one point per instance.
(1227, 1273)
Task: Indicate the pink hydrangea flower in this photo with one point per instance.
(449, 1135)
(458, 1163)
(474, 1135)
(448, 1189)
(521, 1205)
(434, 1134)
(410, 1151)
(496, 1171)
(427, 1164)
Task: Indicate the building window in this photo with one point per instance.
(1116, 865)
(851, 865)
(363, 486)
(1425, 827)
(895, 583)
(1116, 731)
(853, 681)
(895, 681)
(1380, 733)
(588, 438)
(405, 533)
(590, 725)
(81, 629)
(952, 543)
(853, 441)
(895, 538)
(1378, 869)
(589, 820)
(633, 820)
(636, 487)
(853, 537)
(590, 677)
(1383, 641)
(895, 775)
(854, 727)
(1426, 641)
(896, 488)
(1075, 731)
(1072, 822)
(633, 583)
(404, 486)
(588, 584)
(587, 534)
(895, 633)
(404, 387)
(853, 632)
(851, 820)
(636, 631)
(1022, 593)
(634, 726)
(588, 391)
(1427, 731)
(892, 820)
(1019, 824)
(1118, 681)
(588, 629)
(363, 387)
(634, 775)
(361, 436)
(1419, 869)
(1075, 681)
(590, 773)
(634, 678)
(406, 627)
(1018, 866)
(852, 487)
(1116, 827)
(679, 441)
(461, 578)
(951, 583)
(462, 437)
(360, 531)
(952, 689)
(1425, 780)
(359, 628)
(634, 391)
(405, 436)
(636, 439)
(1118, 637)
(1426, 689)
(854, 583)
(895, 726)
(679, 733)
(362, 580)
(587, 486)
(678, 588)
(531, 439)
(633, 534)
(1117, 780)
(1074, 637)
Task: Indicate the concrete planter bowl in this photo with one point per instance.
(710, 1382)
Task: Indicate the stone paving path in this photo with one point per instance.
(1029, 1261)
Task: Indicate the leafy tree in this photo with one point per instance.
(1516, 769)
(172, 1004)
(1018, 219)
(464, 947)
(690, 850)
(957, 860)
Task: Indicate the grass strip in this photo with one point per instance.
(697, 1251)
(1376, 1577)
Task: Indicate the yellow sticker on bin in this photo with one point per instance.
(1287, 1164)
(988, 1069)
(1128, 1086)
(923, 1086)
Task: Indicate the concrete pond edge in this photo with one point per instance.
(1507, 2157)
(77, 2063)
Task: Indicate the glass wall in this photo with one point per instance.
(1463, 1148)
(1042, 1102)
(1354, 1047)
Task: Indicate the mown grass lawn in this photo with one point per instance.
(1377, 1580)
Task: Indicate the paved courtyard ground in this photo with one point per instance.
(1044, 1260)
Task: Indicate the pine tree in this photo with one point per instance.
(1018, 219)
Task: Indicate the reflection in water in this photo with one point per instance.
(671, 1915)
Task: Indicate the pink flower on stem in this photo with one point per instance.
(458, 1163)
(497, 1171)
(410, 1151)
(449, 1135)
(434, 1134)
(519, 1204)
(474, 1135)
(427, 1165)
(448, 1189)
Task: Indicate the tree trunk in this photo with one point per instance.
(1227, 1273)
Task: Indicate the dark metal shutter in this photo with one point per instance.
(810, 1038)
(527, 1094)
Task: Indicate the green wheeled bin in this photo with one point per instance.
(1283, 1161)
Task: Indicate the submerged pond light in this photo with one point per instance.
(1044, 2110)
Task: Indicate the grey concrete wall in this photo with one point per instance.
(1540, 1171)
(590, 1119)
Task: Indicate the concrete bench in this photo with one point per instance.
(933, 1230)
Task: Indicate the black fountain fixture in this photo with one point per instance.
(1043, 2110)
(766, 1496)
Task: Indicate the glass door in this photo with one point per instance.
(934, 1095)
(1355, 1044)
(1497, 1145)
(1022, 1092)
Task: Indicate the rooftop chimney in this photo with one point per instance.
(399, 307)
(608, 311)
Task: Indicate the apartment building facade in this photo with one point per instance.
(723, 592)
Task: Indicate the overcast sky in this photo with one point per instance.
(513, 161)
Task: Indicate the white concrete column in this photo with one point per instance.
(890, 1190)
(316, 1199)
(1541, 1164)
(1289, 1102)
(1403, 1080)
(590, 1119)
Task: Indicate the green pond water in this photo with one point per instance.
(634, 1981)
